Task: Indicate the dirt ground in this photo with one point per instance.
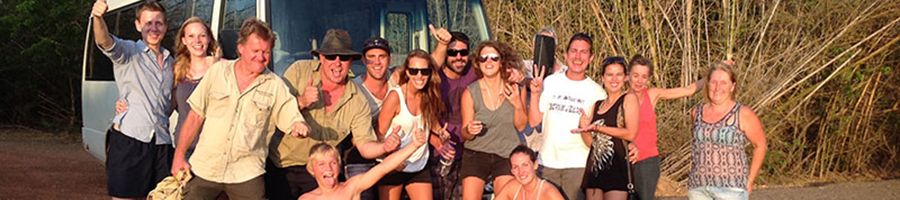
(35, 165)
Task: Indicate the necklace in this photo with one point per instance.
(494, 102)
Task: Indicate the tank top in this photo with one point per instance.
(499, 133)
(540, 186)
(183, 90)
(647, 135)
(718, 156)
(606, 161)
(416, 162)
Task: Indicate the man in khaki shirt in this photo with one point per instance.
(334, 108)
(239, 104)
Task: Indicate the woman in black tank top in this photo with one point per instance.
(606, 129)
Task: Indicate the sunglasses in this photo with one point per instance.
(456, 52)
(484, 58)
(342, 58)
(419, 71)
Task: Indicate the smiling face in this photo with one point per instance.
(195, 39)
(325, 169)
(152, 25)
(579, 56)
(639, 77)
(334, 70)
(377, 62)
(489, 62)
(457, 62)
(418, 72)
(255, 53)
(523, 168)
(613, 78)
(720, 87)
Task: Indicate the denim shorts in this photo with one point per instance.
(724, 193)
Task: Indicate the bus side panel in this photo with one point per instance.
(98, 103)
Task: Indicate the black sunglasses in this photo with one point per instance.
(484, 58)
(455, 52)
(419, 71)
(343, 58)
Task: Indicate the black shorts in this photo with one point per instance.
(404, 178)
(133, 167)
(485, 166)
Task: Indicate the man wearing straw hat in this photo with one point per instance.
(334, 107)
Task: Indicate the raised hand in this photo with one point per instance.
(537, 84)
(475, 127)
(511, 92)
(300, 129)
(443, 133)
(441, 35)
(448, 150)
(418, 135)
(100, 8)
(585, 125)
(392, 141)
(309, 96)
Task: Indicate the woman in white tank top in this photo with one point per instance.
(414, 103)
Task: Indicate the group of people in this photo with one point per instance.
(442, 125)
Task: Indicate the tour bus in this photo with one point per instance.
(298, 24)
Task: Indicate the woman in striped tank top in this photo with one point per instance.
(722, 129)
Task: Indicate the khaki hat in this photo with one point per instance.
(337, 42)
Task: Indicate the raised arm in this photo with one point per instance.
(535, 116)
(368, 179)
(439, 54)
(752, 127)
(101, 31)
(674, 93)
(515, 97)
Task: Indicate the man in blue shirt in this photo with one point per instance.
(139, 150)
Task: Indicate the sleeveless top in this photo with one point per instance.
(183, 90)
(416, 162)
(718, 156)
(606, 166)
(647, 134)
(499, 135)
(540, 186)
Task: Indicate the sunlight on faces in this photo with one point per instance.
(324, 166)
(579, 56)
(720, 87)
(489, 67)
(377, 62)
(256, 53)
(334, 71)
(195, 39)
(639, 77)
(613, 78)
(523, 168)
(420, 79)
(457, 63)
(152, 25)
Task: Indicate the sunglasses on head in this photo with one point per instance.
(484, 58)
(419, 71)
(456, 52)
(342, 58)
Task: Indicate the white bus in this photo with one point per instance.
(299, 25)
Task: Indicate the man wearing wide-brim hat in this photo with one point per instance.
(333, 108)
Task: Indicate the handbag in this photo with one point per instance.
(632, 195)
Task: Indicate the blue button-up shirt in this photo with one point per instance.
(146, 87)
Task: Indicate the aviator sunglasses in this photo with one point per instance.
(486, 57)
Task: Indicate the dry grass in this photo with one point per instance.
(821, 74)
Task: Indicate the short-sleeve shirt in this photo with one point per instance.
(351, 115)
(451, 94)
(562, 102)
(146, 86)
(238, 125)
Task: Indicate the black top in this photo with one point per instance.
(606, 161)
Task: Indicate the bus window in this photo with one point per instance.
(235, 12)
(465, 16)
(397, 33)
(177, 11)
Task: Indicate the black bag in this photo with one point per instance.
(632, 195)
(544, 49)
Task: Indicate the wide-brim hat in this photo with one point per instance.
(337, 42)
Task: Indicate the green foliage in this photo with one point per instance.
(42, 63)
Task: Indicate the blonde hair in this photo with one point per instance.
(182, 55)
(724, 67)
(320, 150)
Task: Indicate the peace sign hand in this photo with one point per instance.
(537, 84)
